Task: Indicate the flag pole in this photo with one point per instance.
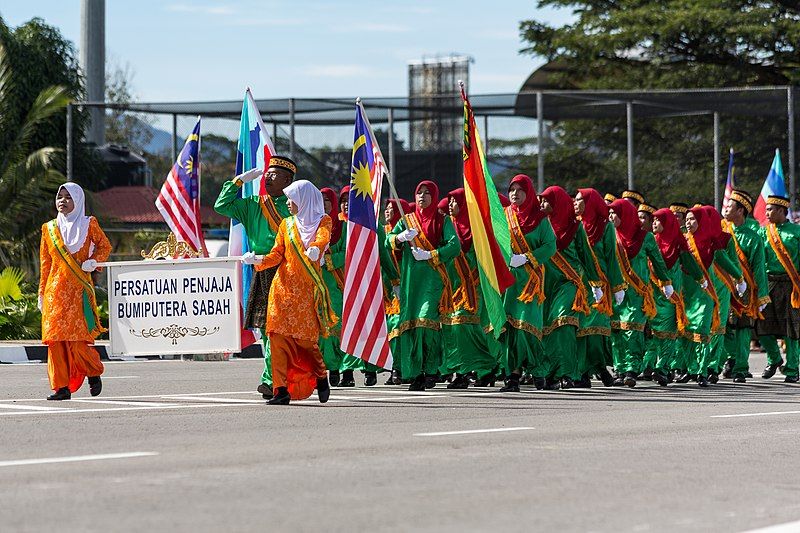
(200, 238)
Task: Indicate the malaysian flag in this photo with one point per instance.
(730, 184)
(179, 199)
(364, 321)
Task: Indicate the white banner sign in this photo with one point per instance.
(187, 306)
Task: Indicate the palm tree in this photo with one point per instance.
(29, 175)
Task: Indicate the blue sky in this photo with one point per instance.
(302, 48)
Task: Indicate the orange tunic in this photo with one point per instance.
(62, 293)
(291, 310)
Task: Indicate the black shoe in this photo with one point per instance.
(526, 379)
(282, 398)
(770, 370)
(323, 390)
(461, 382)
(683, 377)
(551, 384)
(418, 384)
(567, 383)
(739, 378)
(749, 375)
(95, 386)
(512, 385)
(647, 375)
(394, 378)
(630, 379)
(485, 381)
(702, 380)
(347, 379)
(539, 383)
(670, 376)
(431, 380)
(619, 381)
(370, 379)
(713, 377)
(61, 394)
(606, 377)
(727, 370)
(660, 378)
(334, 377)
(791, 379)
(584, 383)
(266, 391)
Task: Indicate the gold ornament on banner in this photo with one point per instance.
(170, 249)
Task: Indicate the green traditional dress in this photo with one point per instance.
(333, 276)
(261, 217)
(390, 275)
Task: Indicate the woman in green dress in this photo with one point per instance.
(428, 242)
(533, 243)
(594, 333)
(390, 272)
(635, 247)
(569, 274)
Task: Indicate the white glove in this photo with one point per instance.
(420, 254)
(704, 285)
(619, 296)
(598, 293)
(249, 258)
(41, 301)
(250, 175)
(760, 307)
(407, 235)
(517, 260)
(668, 291)
(396, 290)
(90, 265)
(741, 287)
(313, 253)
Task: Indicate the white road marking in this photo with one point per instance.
(122, 402)
(31, 407)
(75, 458)
(210, 399)
(470, 431)
(117, 409)
(772, 413)
(788, 527)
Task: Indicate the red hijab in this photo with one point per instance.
(431, 220)
(530, 213)
(396, 212)
(595, 214)
(461, 220)
(444, 205)
(563, 218)
(709, 236)
(336, 228)
(345, 192)
(629, 233)
(670, 241)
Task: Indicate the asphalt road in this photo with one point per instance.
(189, 446)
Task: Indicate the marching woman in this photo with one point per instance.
(390, 273)
(669, 324)
(635, 247)
(702, 302)
(468, 345)
(299, 309)
(428, 242)
(533, 243)
(72, 245)
(594, 334)
(567, 274)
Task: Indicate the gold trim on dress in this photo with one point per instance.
(524, 326)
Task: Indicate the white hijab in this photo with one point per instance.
(310, 208)
(74, 226)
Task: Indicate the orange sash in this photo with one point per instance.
(711, 290)
(581, 303)
(633, 280)
(738, 304)
(677, 300)
(421, 241)
(270, 213)
(786, 261)
(465, 298)
(534, 288)
(604, 305)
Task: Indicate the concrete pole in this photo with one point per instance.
(391, 143)
(485, 134)
(629, 113)
(716, 161)
(291, 129)
(540, 142)
(69, 142)
(791, 140)
(174, 144)
(93, 64)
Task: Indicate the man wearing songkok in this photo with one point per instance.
(261, 215)
(594, 333)
(634, 197)
(782, 313)
(428, 242)
(299, 311)
(745, 309)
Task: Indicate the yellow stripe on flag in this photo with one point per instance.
(480, 239)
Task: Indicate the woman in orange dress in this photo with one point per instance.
(72, 245)
(299, 309)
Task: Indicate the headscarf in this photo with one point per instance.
(563, 218)
(336, 227)
(595, 214)
(670, 241)
(629, 232)
(461, 220)
(504, 201)
(74, 226)
(310, 208)
(709, 236)
(443, 205)
(530, 213)
(396, 213)
(431, 220)
(344, 192)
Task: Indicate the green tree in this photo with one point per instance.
(664, 44)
